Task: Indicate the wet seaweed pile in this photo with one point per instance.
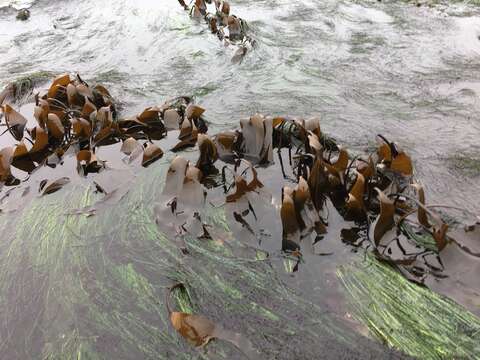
(94, 283)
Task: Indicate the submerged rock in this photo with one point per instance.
(23, 14)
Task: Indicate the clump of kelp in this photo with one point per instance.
(72, 115)
(377, 190)
(229, 29)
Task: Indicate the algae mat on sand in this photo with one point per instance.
(408, 317)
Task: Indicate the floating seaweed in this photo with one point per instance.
(229, 29)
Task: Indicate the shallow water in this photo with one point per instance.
(410, 73)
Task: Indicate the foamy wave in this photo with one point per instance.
(17, 4)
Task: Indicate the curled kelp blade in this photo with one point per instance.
(239, 54)
(103, 118)
(402, 163)
(198, 330)
(266, 156)
(188, 135)
(172, 119)
(87, 162)
(16, 122)
(51, 186)
(20, 150)
(385, 220)
(41, 111)
(82, 128)
(193, 111)
(6, 158)
(225, 143)
(242, 186)
(175, 176)
(88, 109)
(396, 160)
(208, 152)
(55, 127)
(40, 137)
(341, 164)
(59, 83)
(257, 136)
(73, 96)
(241, 189)
(313, 124)
(422, 214)
(290, 227)
(129, 145)
(192, 192)
(366, 167)
(307, 215)
(151, 154)
(355, 201)
(318, 183)
(314, 144)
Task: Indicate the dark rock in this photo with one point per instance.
(23, 14)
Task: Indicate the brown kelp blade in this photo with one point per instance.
(291, 228)
(385, 220)
(402, 163)
(129, 145)
(20, 151)
(193, 111)
(208, 151)
(6, 157)
(318, 183)
(41, 140)
(422, 213)
(196, 329)
(241, 189)
(87, 162)
(55, 127)
(49, 187)
(60, 82)
(15, 121)
(308, 218)
(257, 138)
(172, 119)
(175, 176)
(355, 197)
(182, 2)
(225, 144)
(82, 128)
(341, 164)
(41, 112)
(440, 235)
(151, 154)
